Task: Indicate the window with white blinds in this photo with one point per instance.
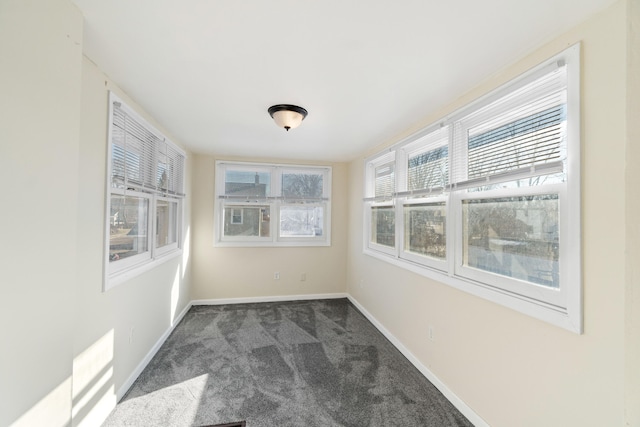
(142, 159)
(385, 180)
(145, 188)
(488, 200)
(266, 204)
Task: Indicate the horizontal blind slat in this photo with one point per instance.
(140, 159)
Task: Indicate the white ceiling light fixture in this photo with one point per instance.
(287, 116)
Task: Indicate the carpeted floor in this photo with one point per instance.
(304, 363)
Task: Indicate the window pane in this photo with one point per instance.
(236, 216)
(513, 236)
(383, 225)
(425, 229)
(306, 221)
(125, 166)
(255, 221)
(429, 169)
(128, 220)
(385, 180)
(166, 223)
(247, 183)
(302, 185)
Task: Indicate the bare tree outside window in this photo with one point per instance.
(515, 236)
(429, 169)
(306, 217)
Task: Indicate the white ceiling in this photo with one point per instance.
(366, 71)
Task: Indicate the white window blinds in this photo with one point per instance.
(385, 180)
(141, 159)
(520, 135)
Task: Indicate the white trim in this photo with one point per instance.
(536, 309)
(124, 388)
(475, 419)
(279, 298)
(137, 269)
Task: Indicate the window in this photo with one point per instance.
(272, 205)
(236, 215)
(488, 200)
(145, 191)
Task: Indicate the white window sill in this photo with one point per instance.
(123, 276)
(551, 314)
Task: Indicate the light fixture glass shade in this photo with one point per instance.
(287, 116)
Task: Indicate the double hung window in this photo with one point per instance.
(272, 205)
(145, 188)
(488, 200)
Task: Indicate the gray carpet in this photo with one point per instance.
(304, 363)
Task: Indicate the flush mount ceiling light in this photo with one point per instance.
(287, 116)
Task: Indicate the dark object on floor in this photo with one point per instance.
(240, 424)
(304, 363)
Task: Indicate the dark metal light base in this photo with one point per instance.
(287, 107)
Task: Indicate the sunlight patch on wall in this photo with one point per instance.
(186, 252)
(175, 295)
(93, 389)
(52, 410)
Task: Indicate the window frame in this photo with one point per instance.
(233, 216)
(382, 201)
(274, 201)
(428, 261)
(122, 270)
(143, 257)
(561, 307)
(177, 221)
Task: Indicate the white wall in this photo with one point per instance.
(148, 303)
(40, 67)
(65, 343)
(248, 272)
(513, 370)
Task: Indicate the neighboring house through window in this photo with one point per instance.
(272, 204)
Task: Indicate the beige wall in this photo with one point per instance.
(513, 370)
(248, 272)
(40, 67)
(632, 335)
(66, 349)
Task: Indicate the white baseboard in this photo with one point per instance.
(145, 361)
(451, 396)
(249, 300)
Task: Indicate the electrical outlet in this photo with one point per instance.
(431, 333)
(276, 275)
(303, 277)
